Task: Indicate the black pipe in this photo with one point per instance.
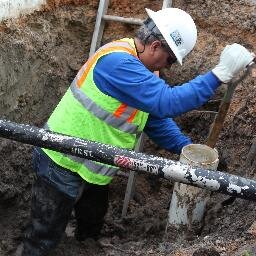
(171, 170)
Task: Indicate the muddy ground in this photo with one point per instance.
(39, 56)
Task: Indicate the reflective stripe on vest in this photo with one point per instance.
(119, 123)
(94, 166)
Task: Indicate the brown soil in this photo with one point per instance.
(40, 55)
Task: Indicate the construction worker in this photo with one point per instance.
(114, 97)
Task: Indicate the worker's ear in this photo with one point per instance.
(155, 46)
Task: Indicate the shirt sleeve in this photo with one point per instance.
(125, 78)
(166, 134)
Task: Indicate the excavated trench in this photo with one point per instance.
(40, 54)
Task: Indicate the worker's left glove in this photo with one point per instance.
(233, 59)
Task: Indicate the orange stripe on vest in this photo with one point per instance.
(97, 55)
(130, 119)
(120, 110)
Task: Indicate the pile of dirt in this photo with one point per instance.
(40, 55)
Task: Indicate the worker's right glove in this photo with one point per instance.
(233, 59)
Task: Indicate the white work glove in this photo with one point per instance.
(233, 59)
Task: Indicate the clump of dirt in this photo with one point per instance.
(40, 55)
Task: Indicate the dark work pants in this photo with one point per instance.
(55, 193)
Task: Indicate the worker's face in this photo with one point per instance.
(171, 59)
(159, 56)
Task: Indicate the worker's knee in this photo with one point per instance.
(93, 203)
(90, 211)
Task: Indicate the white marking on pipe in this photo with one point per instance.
(232, 188)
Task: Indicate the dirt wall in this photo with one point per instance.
(39, 56)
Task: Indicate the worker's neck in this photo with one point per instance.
(141, 52)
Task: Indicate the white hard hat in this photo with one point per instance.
(178, 29)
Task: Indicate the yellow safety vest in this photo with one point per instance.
(86, 112)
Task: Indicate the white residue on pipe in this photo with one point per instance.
(178, 172)
(234, 188)
(52, 137)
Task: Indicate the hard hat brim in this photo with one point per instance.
(166, 36)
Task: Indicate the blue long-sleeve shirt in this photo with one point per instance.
(125, 78)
